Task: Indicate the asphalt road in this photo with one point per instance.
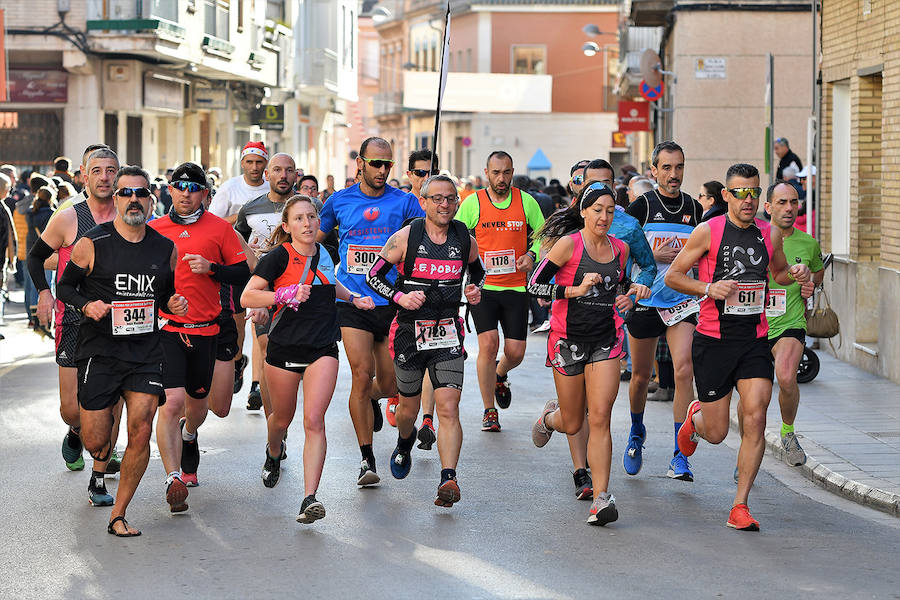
(519, 532)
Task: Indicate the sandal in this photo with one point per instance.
(110, 529)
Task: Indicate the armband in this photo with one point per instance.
(40, 252)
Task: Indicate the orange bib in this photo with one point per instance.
(502, 237)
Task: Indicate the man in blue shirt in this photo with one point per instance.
(366, 215)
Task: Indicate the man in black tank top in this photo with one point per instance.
(427, 333)
(119, 274)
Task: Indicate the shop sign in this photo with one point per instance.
(38, 86)
(634, 116)
(271, 116)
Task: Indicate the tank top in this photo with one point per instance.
(591, 317)
(131, 276)
(437, 271)
(65, 314)
(502, 237)
(742, 255)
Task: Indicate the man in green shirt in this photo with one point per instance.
(502, 219)
(785, 310)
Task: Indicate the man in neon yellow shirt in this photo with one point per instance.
(502, 218)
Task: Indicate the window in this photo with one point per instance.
(529, 60)
(216, 18)
(840, 169)
(275, 10)
(164, 9)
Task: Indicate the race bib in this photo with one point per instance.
(131, 317)
(431, 334)
(776, 303)
(679, 312)
(500, 262)
(361, 258)
(750, 299)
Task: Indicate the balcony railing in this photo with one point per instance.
(319, 68)
(155, 16)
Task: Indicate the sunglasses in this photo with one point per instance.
(137, 192)
(188, 186)
(577, 179)
(438, 199)
(744, 193)
(379, 163)
(423, 172)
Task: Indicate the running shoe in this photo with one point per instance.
(311, 510)
(114, 464)
(176, 494)
(662, 395)
(739, 518)
(254, 399)
(625, 376)
(190, 459)
(390, 411)
(543, 327)
(680, 468)
(367, 474)
(426, 435)
(603, 510)
(97, 494)
(502, 393)
(687, 434)
(271, 470)
(378, 419)
(652, 386)
(72, 450)
(239, 366)
(448, 493)
(584, 486)
(540, 432)
(401, 463)
(793, 453)
(491, 420)
(634, 452)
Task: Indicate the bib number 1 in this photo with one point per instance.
(776, 303)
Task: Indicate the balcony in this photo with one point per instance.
(632, 43)
(387, 103)
(497, 92)
(121, 17)
(649, 13)
(318, 69)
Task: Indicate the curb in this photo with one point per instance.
(833, 481)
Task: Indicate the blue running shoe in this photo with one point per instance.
(400, 463)
(97, 494)
(634, 453)
(680, 468)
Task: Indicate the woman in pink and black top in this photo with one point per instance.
(584, 274)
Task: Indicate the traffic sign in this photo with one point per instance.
(652, 94)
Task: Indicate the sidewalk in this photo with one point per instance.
(849, 425)
(21, 343)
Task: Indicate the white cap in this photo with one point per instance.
(805, 171)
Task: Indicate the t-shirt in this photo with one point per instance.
(233, 194)
(364, 225)
(799, 248)
(213, 239)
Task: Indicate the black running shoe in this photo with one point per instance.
(271, 470)
(311, 510)
(190, 454)
(239, 366)
(378, 422)
(367, 474)
(426, 435)
(502, 393)
(97, 494)
(584, 486)
(254, 399)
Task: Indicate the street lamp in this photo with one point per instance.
(590, 48)
(593, 31)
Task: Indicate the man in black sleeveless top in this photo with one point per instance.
(118, 275)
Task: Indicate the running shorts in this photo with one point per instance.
(227, 339)
(645, 322)
(236, 292)
(66, 344)
(797, 334)
(720, 364)
(189, 360)
(297, 357)
(263, 328)
(570, 357)
(508, 308)
(376, 321)
(444, 365)
(102, 380)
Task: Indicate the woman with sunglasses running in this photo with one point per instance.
(586, 336)
(297, 277)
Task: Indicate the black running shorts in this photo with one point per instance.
(376, 321)
(297, 357)
(570, 357)
(189, 361)
(797, 334)
(444, 365)
(508, 308)
(102, 380)
(66, 344)
(263, 328)
(645, 323)
(719, 364)
(227, 339)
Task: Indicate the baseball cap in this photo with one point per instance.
(578, 166)
(804, 172)
(190, 172)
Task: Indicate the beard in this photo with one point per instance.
(132, 219)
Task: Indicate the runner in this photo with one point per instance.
(60, 236)
(297, 276)
(730, 347)
(366, 215)
(502, 219)
(229, 198)
(586, 336)
(119, 273)
(427, 333)
(667, 215)
(209, 254)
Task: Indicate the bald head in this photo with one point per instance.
(282, 175)
(637, 187)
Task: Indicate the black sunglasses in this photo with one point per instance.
(128, 192)
(188, 186)
(423, 172)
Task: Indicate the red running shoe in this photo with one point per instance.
(390, 411)
(687, 435)
(447, 494)
(740, 519)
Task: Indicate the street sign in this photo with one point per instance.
(634, 116)
(271, 116)
(710, 67)
(651, 94)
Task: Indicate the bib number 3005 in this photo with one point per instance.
(432, 334)
(361, 258)
(749, 299)
(132, 317)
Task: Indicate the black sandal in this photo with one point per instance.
(110, 529)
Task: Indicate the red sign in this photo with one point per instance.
(651, 94)
(38, 86)
(634, 116)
